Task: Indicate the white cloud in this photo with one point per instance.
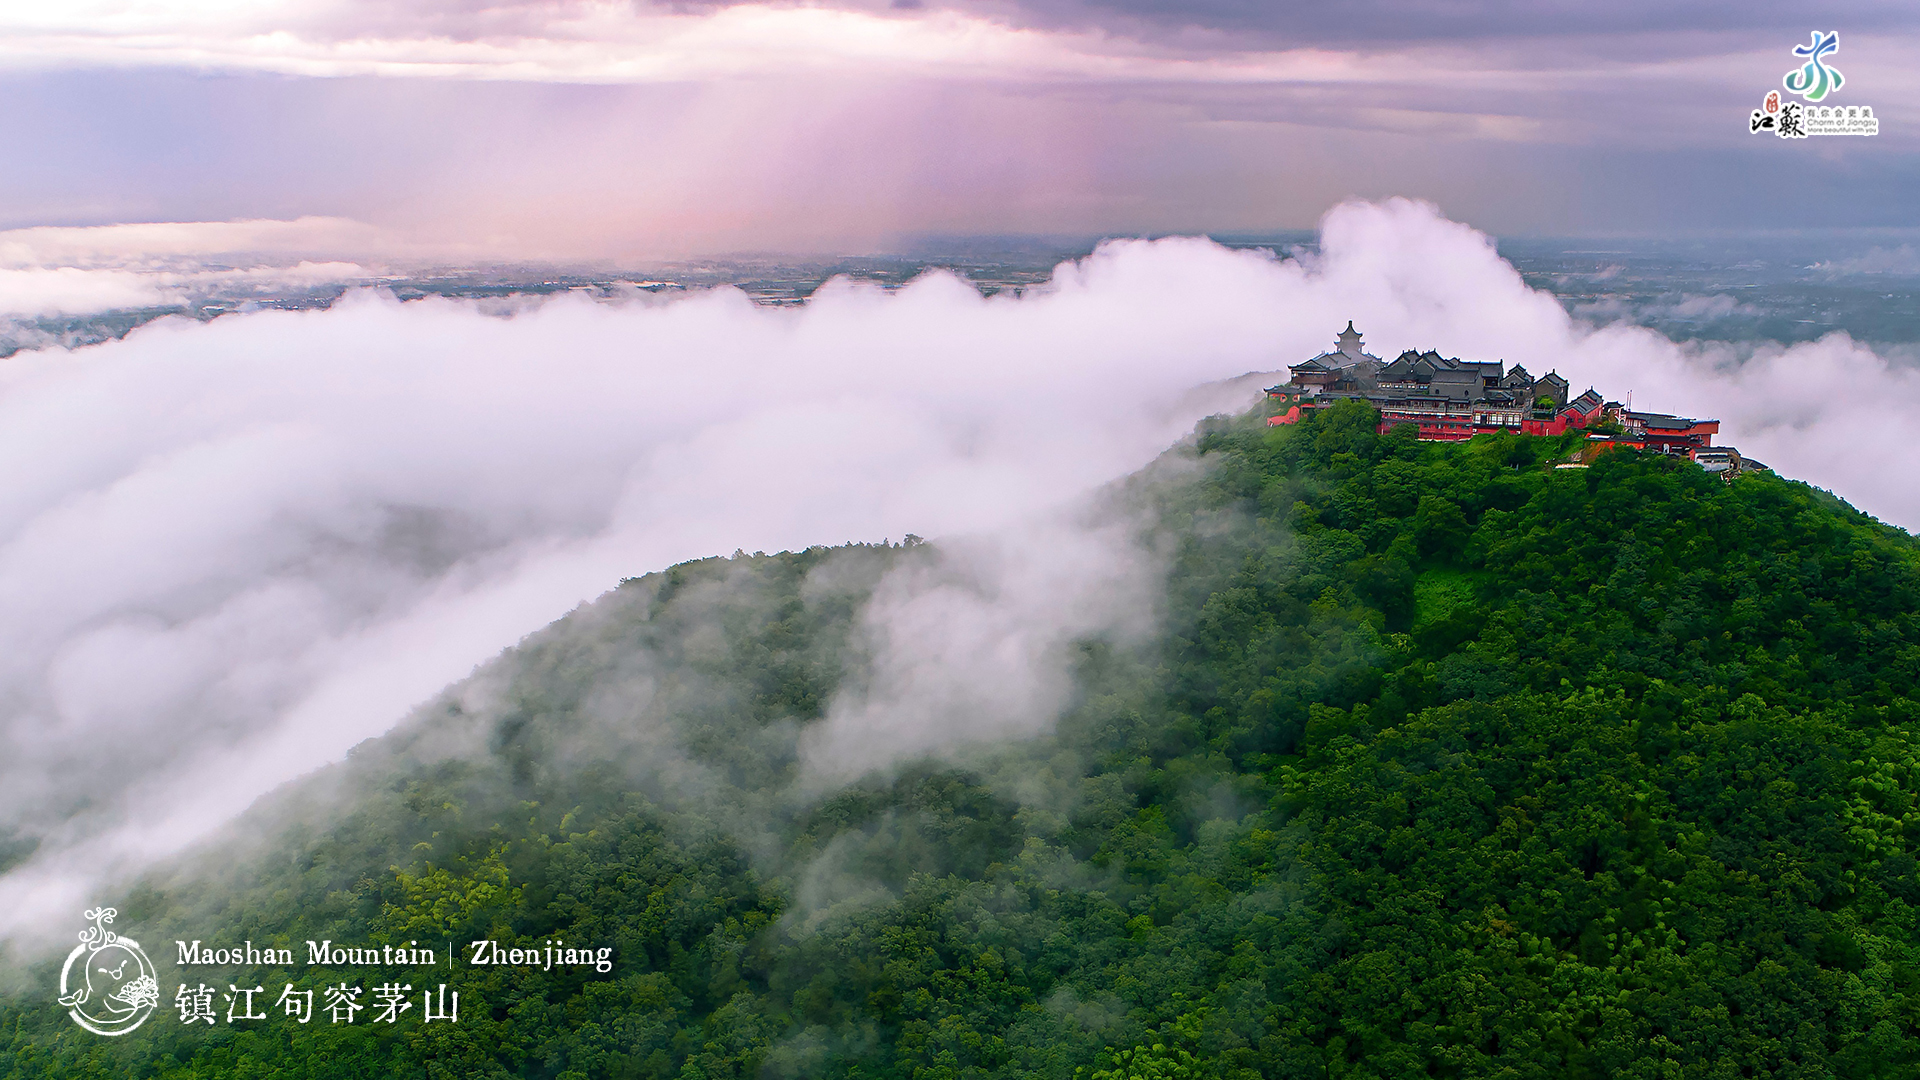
(228, 551)
(974, 648)
(83, 270)
(87, 270)
(1903, 261)
(604, 41)
(70, 290)
(162, 243)
(280, 530)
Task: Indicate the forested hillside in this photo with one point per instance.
(1446, 763)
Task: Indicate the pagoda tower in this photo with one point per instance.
(1349, 341)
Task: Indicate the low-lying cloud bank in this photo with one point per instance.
(40, 292)
(231, 550)
(1902, 261)
(49, 271)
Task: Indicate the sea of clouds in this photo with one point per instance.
(231, 550)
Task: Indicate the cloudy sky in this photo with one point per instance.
(625, 129)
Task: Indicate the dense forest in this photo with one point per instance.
(1445, 762)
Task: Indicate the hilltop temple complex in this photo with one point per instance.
(1452, 400)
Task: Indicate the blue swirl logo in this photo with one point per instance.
(1815, 80)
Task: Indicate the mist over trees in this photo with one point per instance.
(1442, 762)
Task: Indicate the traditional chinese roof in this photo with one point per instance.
(1414, 366)
(1663, 422)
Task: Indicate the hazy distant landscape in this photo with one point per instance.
(1749, 290)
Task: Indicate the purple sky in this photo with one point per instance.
(463, 130)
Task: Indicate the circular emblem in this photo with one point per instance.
(107, 984)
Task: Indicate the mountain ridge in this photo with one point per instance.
(1443, 762)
